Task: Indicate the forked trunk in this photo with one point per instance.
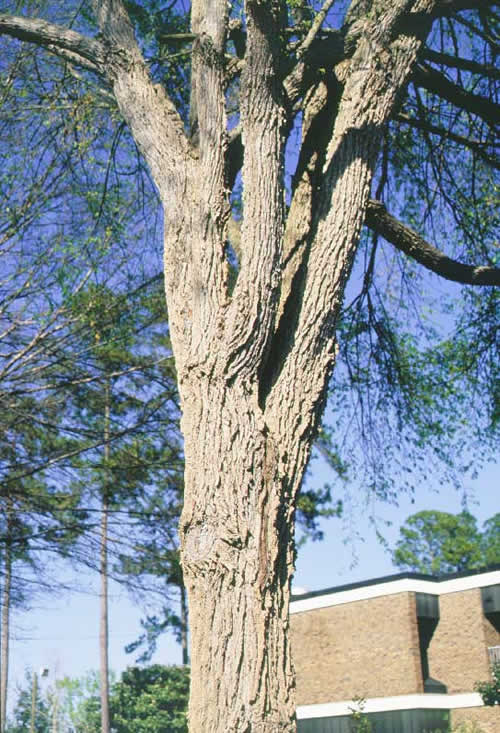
(253, 361)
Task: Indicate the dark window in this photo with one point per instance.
(391, 721)
(427, 619)
(491, 605)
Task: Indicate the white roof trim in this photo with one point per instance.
(400, 702)
(403, 585)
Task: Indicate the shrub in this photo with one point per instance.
(490, 691)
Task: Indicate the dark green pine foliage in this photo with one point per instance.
(124, 368)
(38, 518)
(124, 405)
(145, 700)
(490, 540)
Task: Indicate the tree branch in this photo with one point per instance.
(161, 140)
(412, 244)
(315, 27)
(437, 83)
(474, 145)
(457, 62)
(55, 38)
(451, 7)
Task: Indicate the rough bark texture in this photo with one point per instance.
(253, 365)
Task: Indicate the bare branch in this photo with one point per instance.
(479, 148)
(451, 7)
(412, 244)
(315, 27)
(437, 83)
(457, 62)
(55, 39)
(73, 59)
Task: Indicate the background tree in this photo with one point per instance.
(145, 699)
(438, 543)
(48, 334)
(490, 540)
(490, 691)
(149, 699)
(26, 715)
(38, 521)
(155, 556)
(126, 393)
(254, 354)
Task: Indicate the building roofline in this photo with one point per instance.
(393, 578)
(392, 584)
(417, 701)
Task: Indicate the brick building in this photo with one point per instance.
(411, 645)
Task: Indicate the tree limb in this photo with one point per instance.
(475, 145)
(54, 38)
(450, 7)
(412, 244)
(437, 83)
(315, 27)
(460, 63)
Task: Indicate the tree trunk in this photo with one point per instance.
(254, 364)
(34, 696)
(6, 598)
(103, 575)
(237, 549)
(5, 635)
(103, 631)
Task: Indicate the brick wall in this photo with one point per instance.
(458, 653)
(483, 720)
(368, 648)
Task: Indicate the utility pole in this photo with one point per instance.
(55, 711)
(34, 687)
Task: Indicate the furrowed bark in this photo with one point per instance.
(255, 299)
(368, 98)
(159, 133)
(208, 267)
(247, 443)
(184, 625)
(237, 559)
(253, 367)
